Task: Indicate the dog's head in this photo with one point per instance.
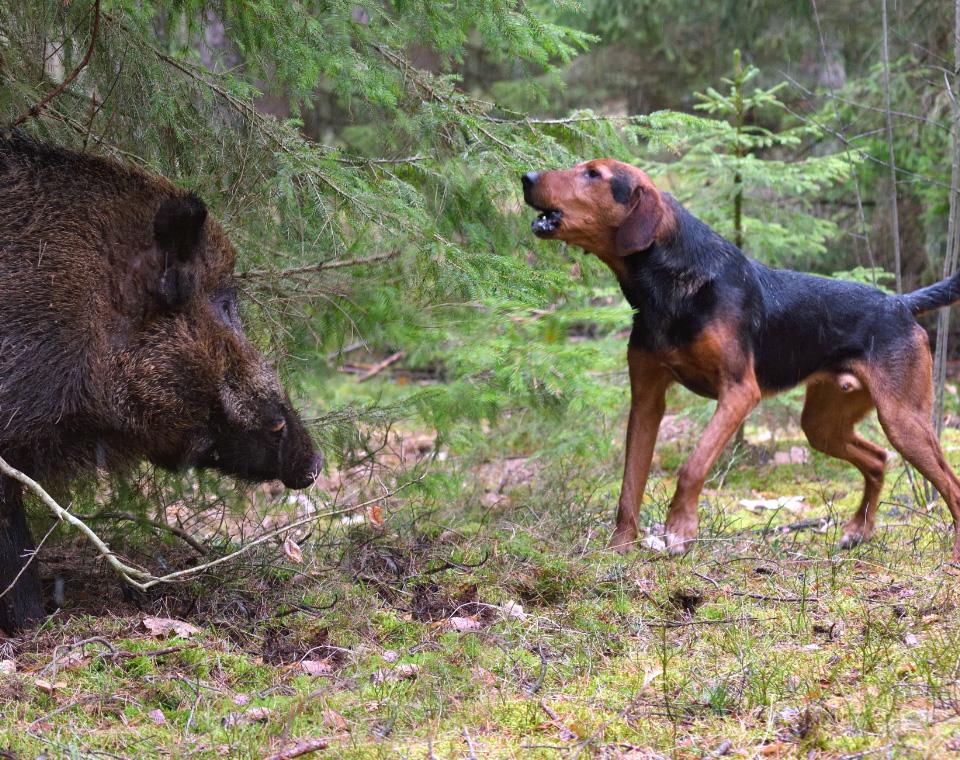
(605, 206)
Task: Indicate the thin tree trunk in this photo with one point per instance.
(953, 249)
(894, 214)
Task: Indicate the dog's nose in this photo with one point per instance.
(529, 179)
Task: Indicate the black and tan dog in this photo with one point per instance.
(729, 328)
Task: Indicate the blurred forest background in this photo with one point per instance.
(365, 160)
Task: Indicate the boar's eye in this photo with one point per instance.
(224, 304)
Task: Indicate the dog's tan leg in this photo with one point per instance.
(829, 414)
(648, 386)
(904, 397)
(736, 400)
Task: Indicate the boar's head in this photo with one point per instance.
(189, 386)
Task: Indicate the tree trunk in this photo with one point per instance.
(22, 605)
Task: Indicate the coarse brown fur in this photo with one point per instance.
(729, 328)
(120, 341)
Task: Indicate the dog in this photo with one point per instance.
(729, 328)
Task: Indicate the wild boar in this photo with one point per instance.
(120, 340)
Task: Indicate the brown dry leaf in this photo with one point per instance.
(164, 627)
(7, 667)
(333, 719)
(773, 750)
(157, 716)
(375, 515)
(48, 688)
(293, 551)
(259, 714)
(71, 661)
(316, 667)
(464, 624)
(403, 672)
(407, 670)
(253, 715)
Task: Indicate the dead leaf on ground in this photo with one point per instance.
(157, 717)
(333, 719)
(301, 747)
(293, 551)
(7, 667)
(316, 667)
(375, 515)
(512, 609)
(164, 627)
(463, 624)
(404, 672)
(253, 715)
(71, 661)
(47, 687)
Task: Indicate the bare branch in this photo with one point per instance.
(143, 580)
(252, 274)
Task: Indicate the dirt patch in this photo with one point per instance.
(432, 602)
(283, 645)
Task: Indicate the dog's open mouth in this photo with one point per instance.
(546, 222)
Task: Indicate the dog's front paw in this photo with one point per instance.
(623, 541)
(680, 535)
(854, 534)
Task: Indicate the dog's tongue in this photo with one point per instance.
(547, 222)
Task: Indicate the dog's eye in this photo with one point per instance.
(592, 174)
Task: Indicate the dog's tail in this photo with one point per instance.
(934, 296)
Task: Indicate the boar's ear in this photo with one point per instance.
(177, 230)
(639, 227)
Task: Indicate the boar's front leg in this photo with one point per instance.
(22, 604)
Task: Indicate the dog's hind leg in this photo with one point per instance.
(828, 419)
(903, 394)
(648, 385)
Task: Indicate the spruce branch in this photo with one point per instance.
(38, 107)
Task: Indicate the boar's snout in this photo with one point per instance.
(270, 445)
(300, 464)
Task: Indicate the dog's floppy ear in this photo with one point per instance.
(639, 227)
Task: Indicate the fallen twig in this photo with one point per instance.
(377, 368)
(818, 523)
(471, 751)
(538, 684)
(565, 733)
(718, 621)
(142, 580)
(301, 747)
(253, 274)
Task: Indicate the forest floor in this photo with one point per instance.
(497, 626)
